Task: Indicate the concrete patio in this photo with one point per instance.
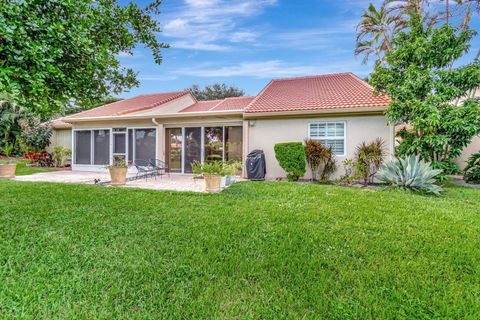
(176, 182)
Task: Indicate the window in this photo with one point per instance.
(213, 143)
(119, 143)
(83, 147)
(233, 143)
(92, 147)
(101, 147)
(145, 140)
(331, 134)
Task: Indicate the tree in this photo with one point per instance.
(375, 32)
(378, 26)
(10, 129)
(216, 91)
(53, 52)
(422, 84)
(90, 105)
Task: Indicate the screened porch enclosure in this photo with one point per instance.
(98, 147)
(186, 145)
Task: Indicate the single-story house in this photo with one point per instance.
(338, 109)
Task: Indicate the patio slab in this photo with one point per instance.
(175, 182)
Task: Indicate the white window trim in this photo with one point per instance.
(336, 138)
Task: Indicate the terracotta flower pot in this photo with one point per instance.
(8, 170)
(212, 182)
(118, 176)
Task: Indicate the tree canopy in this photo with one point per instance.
(428, 93)
(53, 52)
(216, 91)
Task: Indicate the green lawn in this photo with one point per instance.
(257, 250)
(23, 169)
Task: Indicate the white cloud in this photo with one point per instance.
(318, 38)
(243, 36)
(212, 24)
(266, 69)
(202, 3)
(157, 77)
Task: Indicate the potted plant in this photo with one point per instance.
(212, 172)
(231, 170)
(118, 171)
(8, 167)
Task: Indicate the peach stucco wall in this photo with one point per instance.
(473, 147)
(264, 134)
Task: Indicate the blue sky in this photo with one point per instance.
(248, 42)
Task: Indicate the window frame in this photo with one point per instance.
(331, 138)
(92, 141)
(111, 129)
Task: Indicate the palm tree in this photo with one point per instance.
(375, 32)
(403, 9)
(465, 8)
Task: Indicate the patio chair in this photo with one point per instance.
(145, 169)
(160, 166)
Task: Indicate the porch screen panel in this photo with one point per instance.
(213, 143)
(173, 146)
(145, 143)
(119, 143)
(193, 147)
(130, 145)
(83, 144)
(101, 147)
(233, 143)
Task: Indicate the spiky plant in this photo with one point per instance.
(410, 173)
(370, 157)
(472, 170)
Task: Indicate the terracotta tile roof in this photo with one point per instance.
(138, 103)
(331, 91)
(237, 103)
(60, 124)
(228, 104)
(202, 106)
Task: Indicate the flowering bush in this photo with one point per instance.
(42, 158)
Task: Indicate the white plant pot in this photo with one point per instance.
(223, 182)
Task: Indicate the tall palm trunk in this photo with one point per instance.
(446, 12)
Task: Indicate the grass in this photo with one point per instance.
(257, 250)
(23, 169)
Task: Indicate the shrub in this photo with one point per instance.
(320, 159)
(353, 171)
(42, 158)
(369, 157)
(410, 173)
(61, 155)
(314, 153)
(6, 149)
(222, 168)
(118, 162)
(329, 165)
(471, 173)
(35, 135)
(447, 166)
(291, 157)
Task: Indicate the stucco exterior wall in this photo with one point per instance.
(61, 137)
(264, 134)
(473, 147)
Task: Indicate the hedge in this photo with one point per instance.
(291, 157)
